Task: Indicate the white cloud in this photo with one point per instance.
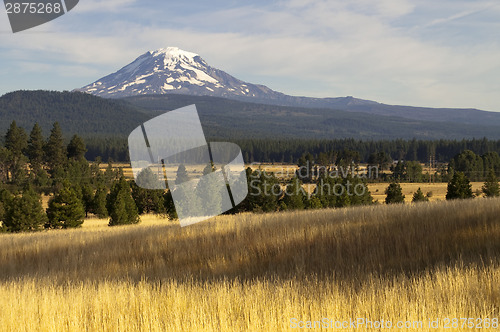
(100, 6)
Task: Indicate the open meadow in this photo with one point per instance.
(409, 263)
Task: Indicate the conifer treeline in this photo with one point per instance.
(31, 165)
(290, 150)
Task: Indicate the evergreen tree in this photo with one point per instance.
(468, 163)
(55, 151)
(328, 190)
(120, 204)
(25, 213)
(348, 158)
(357, 189)
(87, 195)
(295, 196)
(41, 179)
(99, 202)
(169, 205)
(491, 187)
(182, 175)
(76, 148)
(36, 144)
(148, 179)
(306, 166)
(147, 200)
(413, 171)
(5, 201)
(209, 191)
(418, 196)
(314, 203)
(263, 192)
(394, 194)
(110, 175)
(459, 187)
(16, 142)
(5, 157)
(380, 159)
(398, 171)
(65, 209)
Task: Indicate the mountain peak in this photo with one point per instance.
(172, 52)
(172, 70)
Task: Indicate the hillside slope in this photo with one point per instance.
(77, 113)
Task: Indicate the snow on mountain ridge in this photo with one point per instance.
(172, 70)
(157, 72)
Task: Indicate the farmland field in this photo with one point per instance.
(410, 263)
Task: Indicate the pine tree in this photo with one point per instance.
(394, 194)
(491, 187)
(459, 187)
(209, 192)
(76, 148)
(148, 179)
(327, 190)
(99, 202)
(263, 191)
(169, 205)
(314, 203)
(357, 189)
(147, 200)
(87, 195)
(55, 151)
(182, 175)
(418, 196)
(295, 196)
(16, 142)
(65, 209)
(25, 213)
(36, 145)
(120, 204)
(5, 201)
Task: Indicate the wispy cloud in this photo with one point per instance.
(481, 8)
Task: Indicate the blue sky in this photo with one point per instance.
(424, 53)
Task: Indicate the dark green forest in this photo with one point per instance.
(32, 164)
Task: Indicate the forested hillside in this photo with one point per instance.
(235, 119)
(95, 117)
(77, 113)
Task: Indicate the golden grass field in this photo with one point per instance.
(256, 272)
(377, 190)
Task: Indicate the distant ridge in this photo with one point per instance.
(91, 116)
(172, 70)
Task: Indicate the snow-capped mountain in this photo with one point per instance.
(172, 70)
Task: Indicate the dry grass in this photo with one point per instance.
(256, 272)
(438, 190)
